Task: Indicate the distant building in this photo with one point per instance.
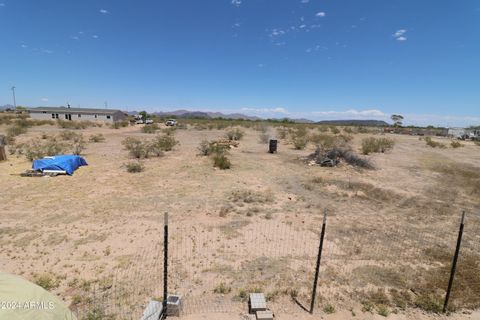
(76, 114)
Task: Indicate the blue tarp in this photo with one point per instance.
(68, 163)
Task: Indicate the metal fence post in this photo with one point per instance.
(165, 266)
(454, 263)
(319, 258)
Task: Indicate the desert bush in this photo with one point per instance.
(170, 131)
(222, 288)
(326, 141)
(477, 142)
(37, 149)
(234, 134)
(78, 144)
(322, 128)
(135, 167)
(334, 130)
(47, 281)
(282, 132)
(299, 138)
(456, 144)
(329, 308)
(205, 148)
(221, 161)
(16, 130)
(434, 144)
(348, 130)
(136, 147)
(74, 124)
(150, 128)
(68, 135)
(120, 124)
(164, 143)
(95, 138)
(372, 145)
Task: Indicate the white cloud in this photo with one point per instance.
(104, 11)
(266, 110)
(2, 4)
(95, 36)
(47, 51)
(44, 99)
(74, 37)
(237, 2)
(305, 1)
(24, 46)
(277, 32)
(321, 14)
(400, 35)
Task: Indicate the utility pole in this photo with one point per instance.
(14, 99)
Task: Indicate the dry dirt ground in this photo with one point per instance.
(96, 236)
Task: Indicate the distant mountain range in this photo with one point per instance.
(369, 123)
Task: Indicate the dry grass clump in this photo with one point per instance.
(464, 176)
(299, 138)
(95, 138)
(477, 142)
(456, 144)
(282, 133)
(218, 150)
(119, 124)
(135, 167)
(250, 196)
(222, 288)
(234, 134)
(47, 281)
(376, 145)
(37, 149)
(143, 148)
(434, 144)
(150, 128)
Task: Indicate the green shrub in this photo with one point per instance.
(429, 303)
(299, 138)
(456, 144)
(170, 131)
(205, 148)
(222, 288)
(16, 130)
(68, 135)
(150, 128)
(137, 148)
(135, 167)
(120, 124)
(383, 310)
(329, 309)
(78, 144)
(37, 149)
(221, 161)
(164, 143)
(282, 132)
(96, 138)
(234, 134)
(334, 130)
(46, 281)
(374, 145)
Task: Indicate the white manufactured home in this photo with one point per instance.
(76, 114)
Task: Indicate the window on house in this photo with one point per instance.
(108, 117)
(56, 115)
(44, 112)
(95, 116)
(53, 115)
(79, 115)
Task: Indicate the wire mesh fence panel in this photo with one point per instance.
(125, 293)
(466, 285)
(215, 267)
(388, 264)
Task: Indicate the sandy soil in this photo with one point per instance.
(254, 226)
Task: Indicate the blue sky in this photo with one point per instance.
(317, 59)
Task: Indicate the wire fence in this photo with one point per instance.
(384, 264)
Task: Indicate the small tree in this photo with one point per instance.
(397, 120)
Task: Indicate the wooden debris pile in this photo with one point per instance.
(331, 158)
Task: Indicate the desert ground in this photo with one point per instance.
(95, 238)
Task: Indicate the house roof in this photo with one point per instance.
(74, 110)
